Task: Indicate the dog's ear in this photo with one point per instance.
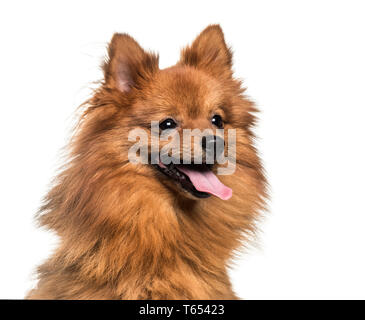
(128, 65)
(209, 52)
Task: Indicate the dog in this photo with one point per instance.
(143, 230)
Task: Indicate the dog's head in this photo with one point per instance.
(196, 110)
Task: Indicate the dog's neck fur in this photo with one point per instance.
(136, 245)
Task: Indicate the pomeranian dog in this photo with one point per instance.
(155, 230)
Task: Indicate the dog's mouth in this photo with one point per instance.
(197, 179)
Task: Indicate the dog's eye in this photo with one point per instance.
(168, 124)
(217, 121)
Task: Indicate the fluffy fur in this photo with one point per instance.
(126, 231)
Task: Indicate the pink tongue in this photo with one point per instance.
(208, 182)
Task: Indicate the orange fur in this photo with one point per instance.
(127, 231)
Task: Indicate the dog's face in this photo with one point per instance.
(180, 99)
(199, 92)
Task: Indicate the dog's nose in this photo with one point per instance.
(213, 144)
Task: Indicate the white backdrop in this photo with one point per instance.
(303, 63)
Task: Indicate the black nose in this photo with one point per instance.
(213, 144)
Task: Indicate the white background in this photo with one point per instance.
(303, 63)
